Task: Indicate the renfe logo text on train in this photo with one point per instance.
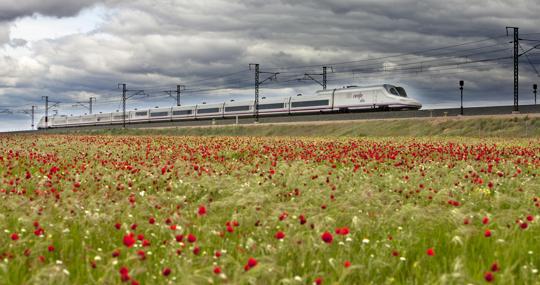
(359, 96)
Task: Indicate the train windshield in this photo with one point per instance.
(401, 91)
(391, 89)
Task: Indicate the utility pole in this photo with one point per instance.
(324, 78)
(90, 103)
(46, 110)
(308, 76)
(33, 110)
(125, 98)
(179, 89)
(461, 83)
(47, 107)
(535, 88)
(258, 84)
(516, 67)
(83, 104)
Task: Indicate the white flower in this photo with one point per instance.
(402, 258)
(365, 240)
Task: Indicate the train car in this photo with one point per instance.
(183, 112)
(240, 109)
(274, 106)
(384, 97)
(308, 104)
(139, 116)
(160, 114)
(203, 111)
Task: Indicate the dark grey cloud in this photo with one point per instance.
(10, 10)
(157, 44)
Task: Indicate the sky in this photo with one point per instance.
(73, 50)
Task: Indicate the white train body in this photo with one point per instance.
(381, 97)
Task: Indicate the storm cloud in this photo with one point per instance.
(156, 44)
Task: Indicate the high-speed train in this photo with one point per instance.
(384, 97)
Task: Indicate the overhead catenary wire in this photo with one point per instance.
(468, 55)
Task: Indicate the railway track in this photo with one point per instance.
(435, 113)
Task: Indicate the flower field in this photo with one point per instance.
(86, 209)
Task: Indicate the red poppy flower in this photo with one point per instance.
(252, 262)
(485, 220)
(430, 251)
(280, 235)
(129, 240)
(530, 218)
(217, 270)
(124, 274)
(495, 267)
(489, 276)
(50, 248)
(342, 231)
(179, 238)
(196, 250)
(117, 226)
(524, 225)
(302, 219)
(318, 281)
(152, 220)
(39, 231)
(202, 211)
(347, 264)
(487, 233)
(14, 236)
(166, 271)
(141, 254)
(116, 253)
(327, 237)
(191, 238)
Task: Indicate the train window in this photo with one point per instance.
(271, 106)
(236, 108)
(181, 112)
(145, 113)
(206, 111)
(401, 91)
(391, 89)
(159, 114)
(309, 103)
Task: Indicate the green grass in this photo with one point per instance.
(447, 127)
(396, 200)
